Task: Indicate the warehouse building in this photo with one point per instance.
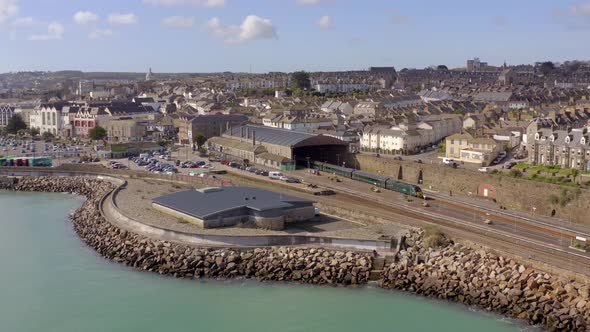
(232, 206)
(277, 148)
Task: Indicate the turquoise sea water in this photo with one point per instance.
(50, 281)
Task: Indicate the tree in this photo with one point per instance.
(547, 67)
(47, 136)
(575, 174)
(163, 143)
(97, 133)
(442, 67)
(34, 132)
(300, 79)
(15, 123)
(199, 140)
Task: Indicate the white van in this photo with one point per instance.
(275, 175)
(448, 161)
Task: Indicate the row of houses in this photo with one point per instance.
(409, 138)
(564, 148)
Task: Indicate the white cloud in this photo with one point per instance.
(309, 2)
(576, 16)
(55, 30)
(325, 22)
(179, 21)
(252, 28)
(23, 21)
(8, 9)
(206, 3)
(123, 19)
(85, 18)
(100, 33)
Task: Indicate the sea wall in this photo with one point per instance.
(304, 265)
(458, 273)
(451, 272)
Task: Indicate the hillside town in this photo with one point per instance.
(294, 165)
(471, 115)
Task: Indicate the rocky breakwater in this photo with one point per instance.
(458, 273)
(304, 265)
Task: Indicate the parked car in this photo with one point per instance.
(418, 161)
(292, 180)
(275, 175)
(484, 169)
(453, 165)
(398, 158)
(448, 161)
(326, 192)
(510, 164)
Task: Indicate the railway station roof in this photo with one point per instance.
(278, 136)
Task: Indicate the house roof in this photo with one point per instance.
(210, 201)
(493, 96)
(460, 136)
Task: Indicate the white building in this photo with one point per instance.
(406, 138)
(295, 123)
(51, 118)
(6, 112)
(343, 87)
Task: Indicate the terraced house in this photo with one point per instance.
(568, 149)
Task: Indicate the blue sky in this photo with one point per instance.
(285, 35)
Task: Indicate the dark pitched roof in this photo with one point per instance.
(206, 202)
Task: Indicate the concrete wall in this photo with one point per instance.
(197, 221)
(510, 192)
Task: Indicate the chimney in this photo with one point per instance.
(253, 137)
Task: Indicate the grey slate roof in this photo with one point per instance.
(493, 96)
(202, 204)
(271, 135)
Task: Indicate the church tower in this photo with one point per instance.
(148, 76)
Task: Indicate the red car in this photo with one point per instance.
(224, 162)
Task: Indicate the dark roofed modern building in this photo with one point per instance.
(259, 143)
(231, 206)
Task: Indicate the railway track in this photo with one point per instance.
(509, 217)
(437, 219)
(503, 241)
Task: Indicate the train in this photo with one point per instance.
(12, 161)
(376, 180)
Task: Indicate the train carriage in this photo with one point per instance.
(373, 179)
(337, 170)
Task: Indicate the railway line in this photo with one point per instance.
(509, 217)
(520, 236)
(534, 244)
